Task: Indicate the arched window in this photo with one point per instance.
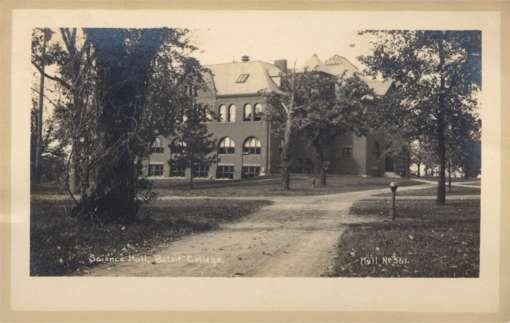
(247, 112)
(223, 113)
(177, 146)
(232, 113)
(157, 147)
(257, 116)
(252, 146)
(226, 146)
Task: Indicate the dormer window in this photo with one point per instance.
(242, 78)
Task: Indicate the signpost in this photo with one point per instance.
(393, 187)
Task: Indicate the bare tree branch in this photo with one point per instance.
(53, 78)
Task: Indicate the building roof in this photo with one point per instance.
(254, 77)
(338, 65)
(313, 63)
(243, 78)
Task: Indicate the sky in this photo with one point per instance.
(226, 36)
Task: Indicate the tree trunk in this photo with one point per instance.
(191, 174)
(418, 173)
(441, 192)
(408, 163)
(449, 176)
(285, 157)
(285, 153)
(319, 167)
(39, 141)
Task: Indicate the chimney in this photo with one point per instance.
(245, 58)
(281, 64)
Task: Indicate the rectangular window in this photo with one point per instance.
(251, 171)
(155, 170)
(157, 150)
(223, 171)
(308, 168)
(201, 169)
(242, 78)
(177, 168)
(347, 152)
(300, 165)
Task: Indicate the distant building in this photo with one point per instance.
(246, 145)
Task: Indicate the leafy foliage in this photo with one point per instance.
(319, 107)
(192, 140)
(118, 90)
(435, 75)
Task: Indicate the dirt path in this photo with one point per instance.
(293, 237)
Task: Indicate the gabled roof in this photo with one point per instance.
(338, 65)
(258, 76)
(313, 63)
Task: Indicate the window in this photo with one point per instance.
(155, 170)
(347, 152)
(258, 112)
(251, 113)
(223, 113)
(232, 113)
(201, 169)
(157, 147)
(251, 171)
(177, 146)
(308, 168)
(242, 78)
(252, 146)
(227, 146)
(247, 112)
(177, 168)
(227, 114)
(299, 165)
(223, 171)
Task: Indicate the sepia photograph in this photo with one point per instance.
(184, 163)
(195, 152)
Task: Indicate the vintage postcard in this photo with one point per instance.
(321, 160)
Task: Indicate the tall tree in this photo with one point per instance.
(330, 106)
(431, 71)
(40, 39)
(281, 113)
(130, 64)
(193, 144)
(72, 58)
(117, 91)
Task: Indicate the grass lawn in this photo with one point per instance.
(424, 241)
(60, 246)
(456, 190)
(270, 186)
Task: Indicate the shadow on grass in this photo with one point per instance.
(59, 245)
(301, 185)
(456, 190)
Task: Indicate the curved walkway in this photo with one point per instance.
(296, 236)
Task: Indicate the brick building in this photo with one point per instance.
(246, 145)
